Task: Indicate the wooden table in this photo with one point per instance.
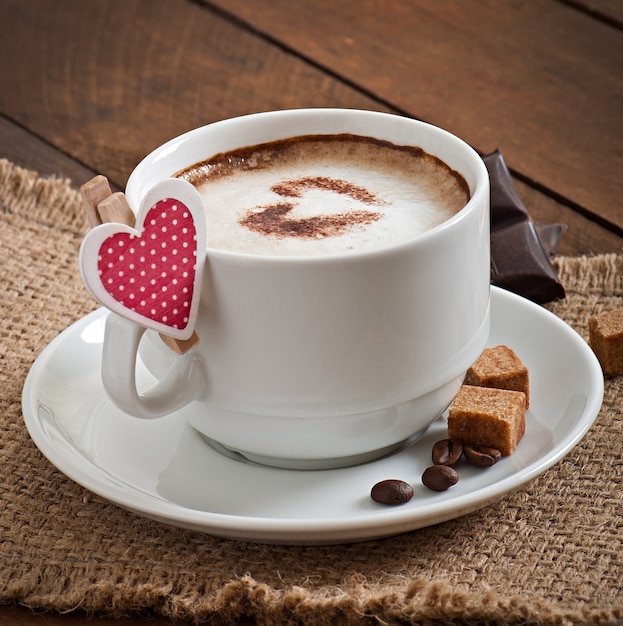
(91, 87)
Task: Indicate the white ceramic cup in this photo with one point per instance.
(326, 361)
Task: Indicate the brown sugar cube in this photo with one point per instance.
(501, 368)
(605, 336)
(485, 416)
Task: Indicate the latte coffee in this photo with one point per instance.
(323, 194)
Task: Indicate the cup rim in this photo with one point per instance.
(167, 151)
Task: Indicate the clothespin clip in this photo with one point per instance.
(104, 207)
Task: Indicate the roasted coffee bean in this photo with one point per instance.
(439, 477)
(482, 456)
(447, 452)
(392, 491)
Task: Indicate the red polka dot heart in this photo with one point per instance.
(151, 274)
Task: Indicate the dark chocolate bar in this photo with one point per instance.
(520, 249)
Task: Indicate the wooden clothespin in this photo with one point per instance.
(103, 206)
(93, 192)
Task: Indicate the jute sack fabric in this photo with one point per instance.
(550, 553)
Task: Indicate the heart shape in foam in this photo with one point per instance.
(151, 274)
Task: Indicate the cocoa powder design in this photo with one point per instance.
(273, 219)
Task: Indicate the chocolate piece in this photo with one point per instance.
(519, 258)
(549, 235)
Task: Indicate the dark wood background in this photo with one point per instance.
(92, 86)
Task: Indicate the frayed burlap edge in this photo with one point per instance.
(594, 275)
(42, 199)
(420, 602)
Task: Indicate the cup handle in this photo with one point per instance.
(184, 381)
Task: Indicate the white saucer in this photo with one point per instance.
(161, 469)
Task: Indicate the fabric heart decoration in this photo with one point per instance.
(151, 274)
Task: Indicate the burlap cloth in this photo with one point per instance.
(550, 553)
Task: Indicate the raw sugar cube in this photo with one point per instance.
(606, 339)
(486, 416)
(501, 368)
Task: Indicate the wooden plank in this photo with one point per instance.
(610, 11)
(540, 80)
(26, 150)
(110, 122)
(107, 97)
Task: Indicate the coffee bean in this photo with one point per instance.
(447, 452)
(439, 477)
(392, 491)
(482, 456)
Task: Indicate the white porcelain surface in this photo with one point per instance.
(163, 470)
(313, 360)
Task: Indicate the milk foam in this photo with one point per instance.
(323, 195)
